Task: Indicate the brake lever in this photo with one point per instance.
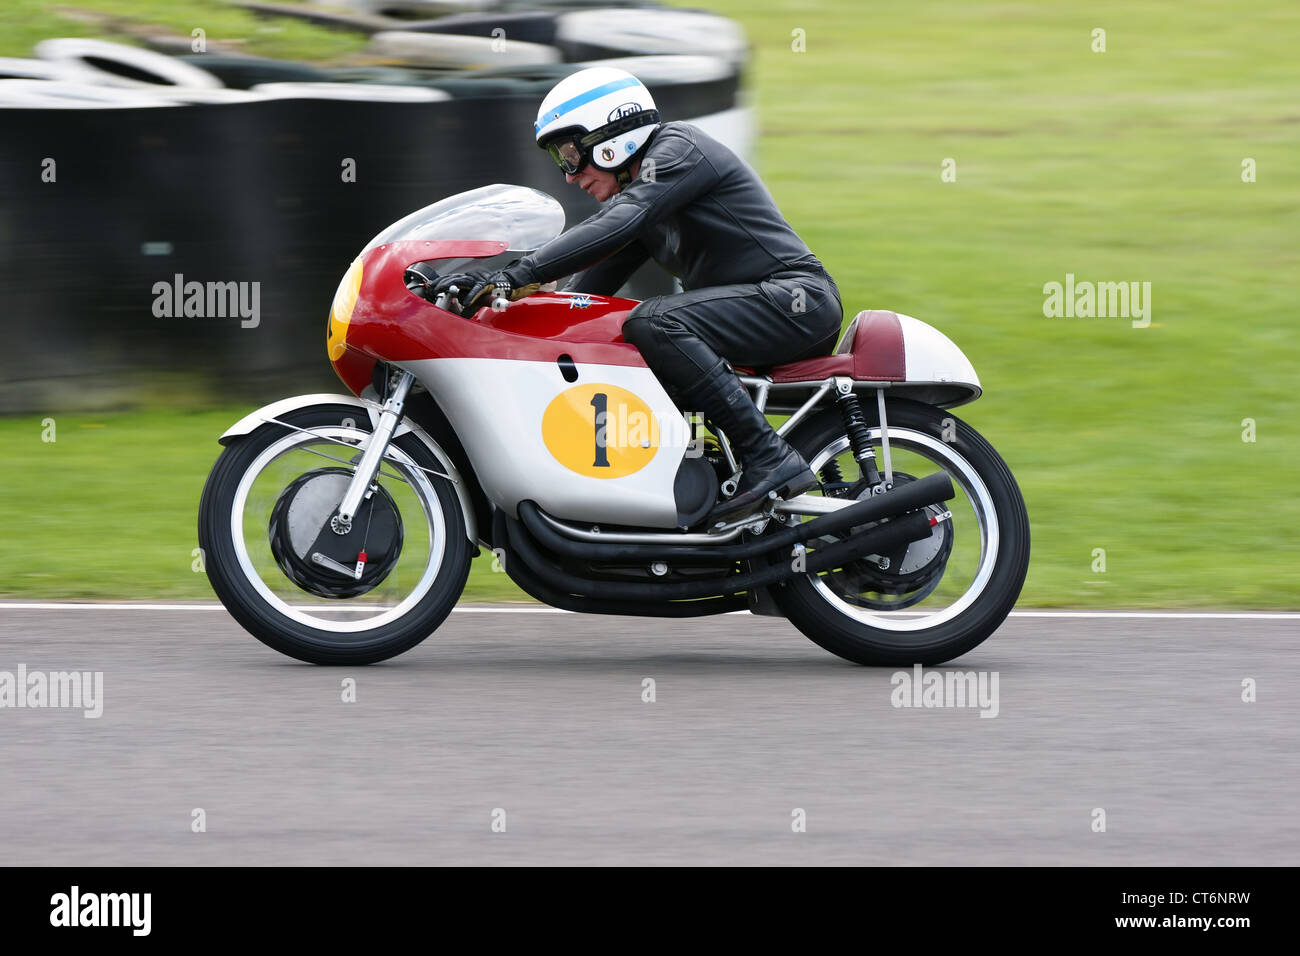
(448, 301)
(444, 299)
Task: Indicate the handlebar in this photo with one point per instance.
(443, 299)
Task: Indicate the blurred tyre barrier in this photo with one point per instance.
(244, 72)
(530, 78)
(12, 68)
(476, 86)
(179, 96)
(393, 75)
(269, 184)
(415, 9)
(367, 92)
(456, 51)
(323, 16)
(601, 34)
(533, 26)
(99, 61)
(63, 94)
(409, 10)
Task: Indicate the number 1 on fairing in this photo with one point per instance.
(598, 402)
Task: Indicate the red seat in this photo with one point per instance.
(871, 349)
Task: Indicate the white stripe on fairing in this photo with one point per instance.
(1170, 615)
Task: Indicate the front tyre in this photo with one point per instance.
(940, 597)
(294, 604)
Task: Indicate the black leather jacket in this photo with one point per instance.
(695, 207)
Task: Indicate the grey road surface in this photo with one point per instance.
(541, 715)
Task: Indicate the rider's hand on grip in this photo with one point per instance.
(473, 290)
(495, 289)
(450, 288)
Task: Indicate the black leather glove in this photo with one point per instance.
(478, 288)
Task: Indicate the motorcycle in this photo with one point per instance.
(339, 529)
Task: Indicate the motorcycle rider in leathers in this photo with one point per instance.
(754, 293)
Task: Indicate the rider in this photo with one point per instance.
(754, 292)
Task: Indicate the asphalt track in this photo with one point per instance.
(541, 715)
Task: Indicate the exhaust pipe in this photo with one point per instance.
(892, 534)
(912, 496)
(532, 583)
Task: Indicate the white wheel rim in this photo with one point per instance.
(964, 475)
(425, 492)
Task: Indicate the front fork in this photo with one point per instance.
(361, 485)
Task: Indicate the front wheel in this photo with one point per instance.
(291, 580)
(934, 599)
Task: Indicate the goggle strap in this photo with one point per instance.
(623, 124)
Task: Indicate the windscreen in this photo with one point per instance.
(524, 218)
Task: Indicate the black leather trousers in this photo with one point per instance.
(787, 317)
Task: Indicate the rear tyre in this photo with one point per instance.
(939, 615)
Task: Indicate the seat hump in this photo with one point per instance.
(870, 350)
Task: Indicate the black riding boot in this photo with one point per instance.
(769, 463)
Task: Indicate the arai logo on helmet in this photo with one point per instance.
(627, 109)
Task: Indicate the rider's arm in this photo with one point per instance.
(673, 173)
(608, 275)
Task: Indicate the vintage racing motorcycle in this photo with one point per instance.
(339, 529)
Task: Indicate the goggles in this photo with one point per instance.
(572, 152)
(568, 154)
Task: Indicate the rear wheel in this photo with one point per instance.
(277, 566)
(934, 599)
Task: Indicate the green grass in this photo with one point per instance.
(24, 23)
(110, 507)
(1123, 165)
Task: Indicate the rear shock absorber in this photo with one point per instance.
(855, 426)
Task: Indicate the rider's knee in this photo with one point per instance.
(635, 328)
(641, 324)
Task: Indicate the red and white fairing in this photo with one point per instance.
(548, 400)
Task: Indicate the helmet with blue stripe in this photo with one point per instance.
(601, 116)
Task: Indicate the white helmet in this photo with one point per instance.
(601, 116)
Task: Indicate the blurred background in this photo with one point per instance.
(252, 141)
(945, 160)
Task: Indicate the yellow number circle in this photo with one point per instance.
(601, 431)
